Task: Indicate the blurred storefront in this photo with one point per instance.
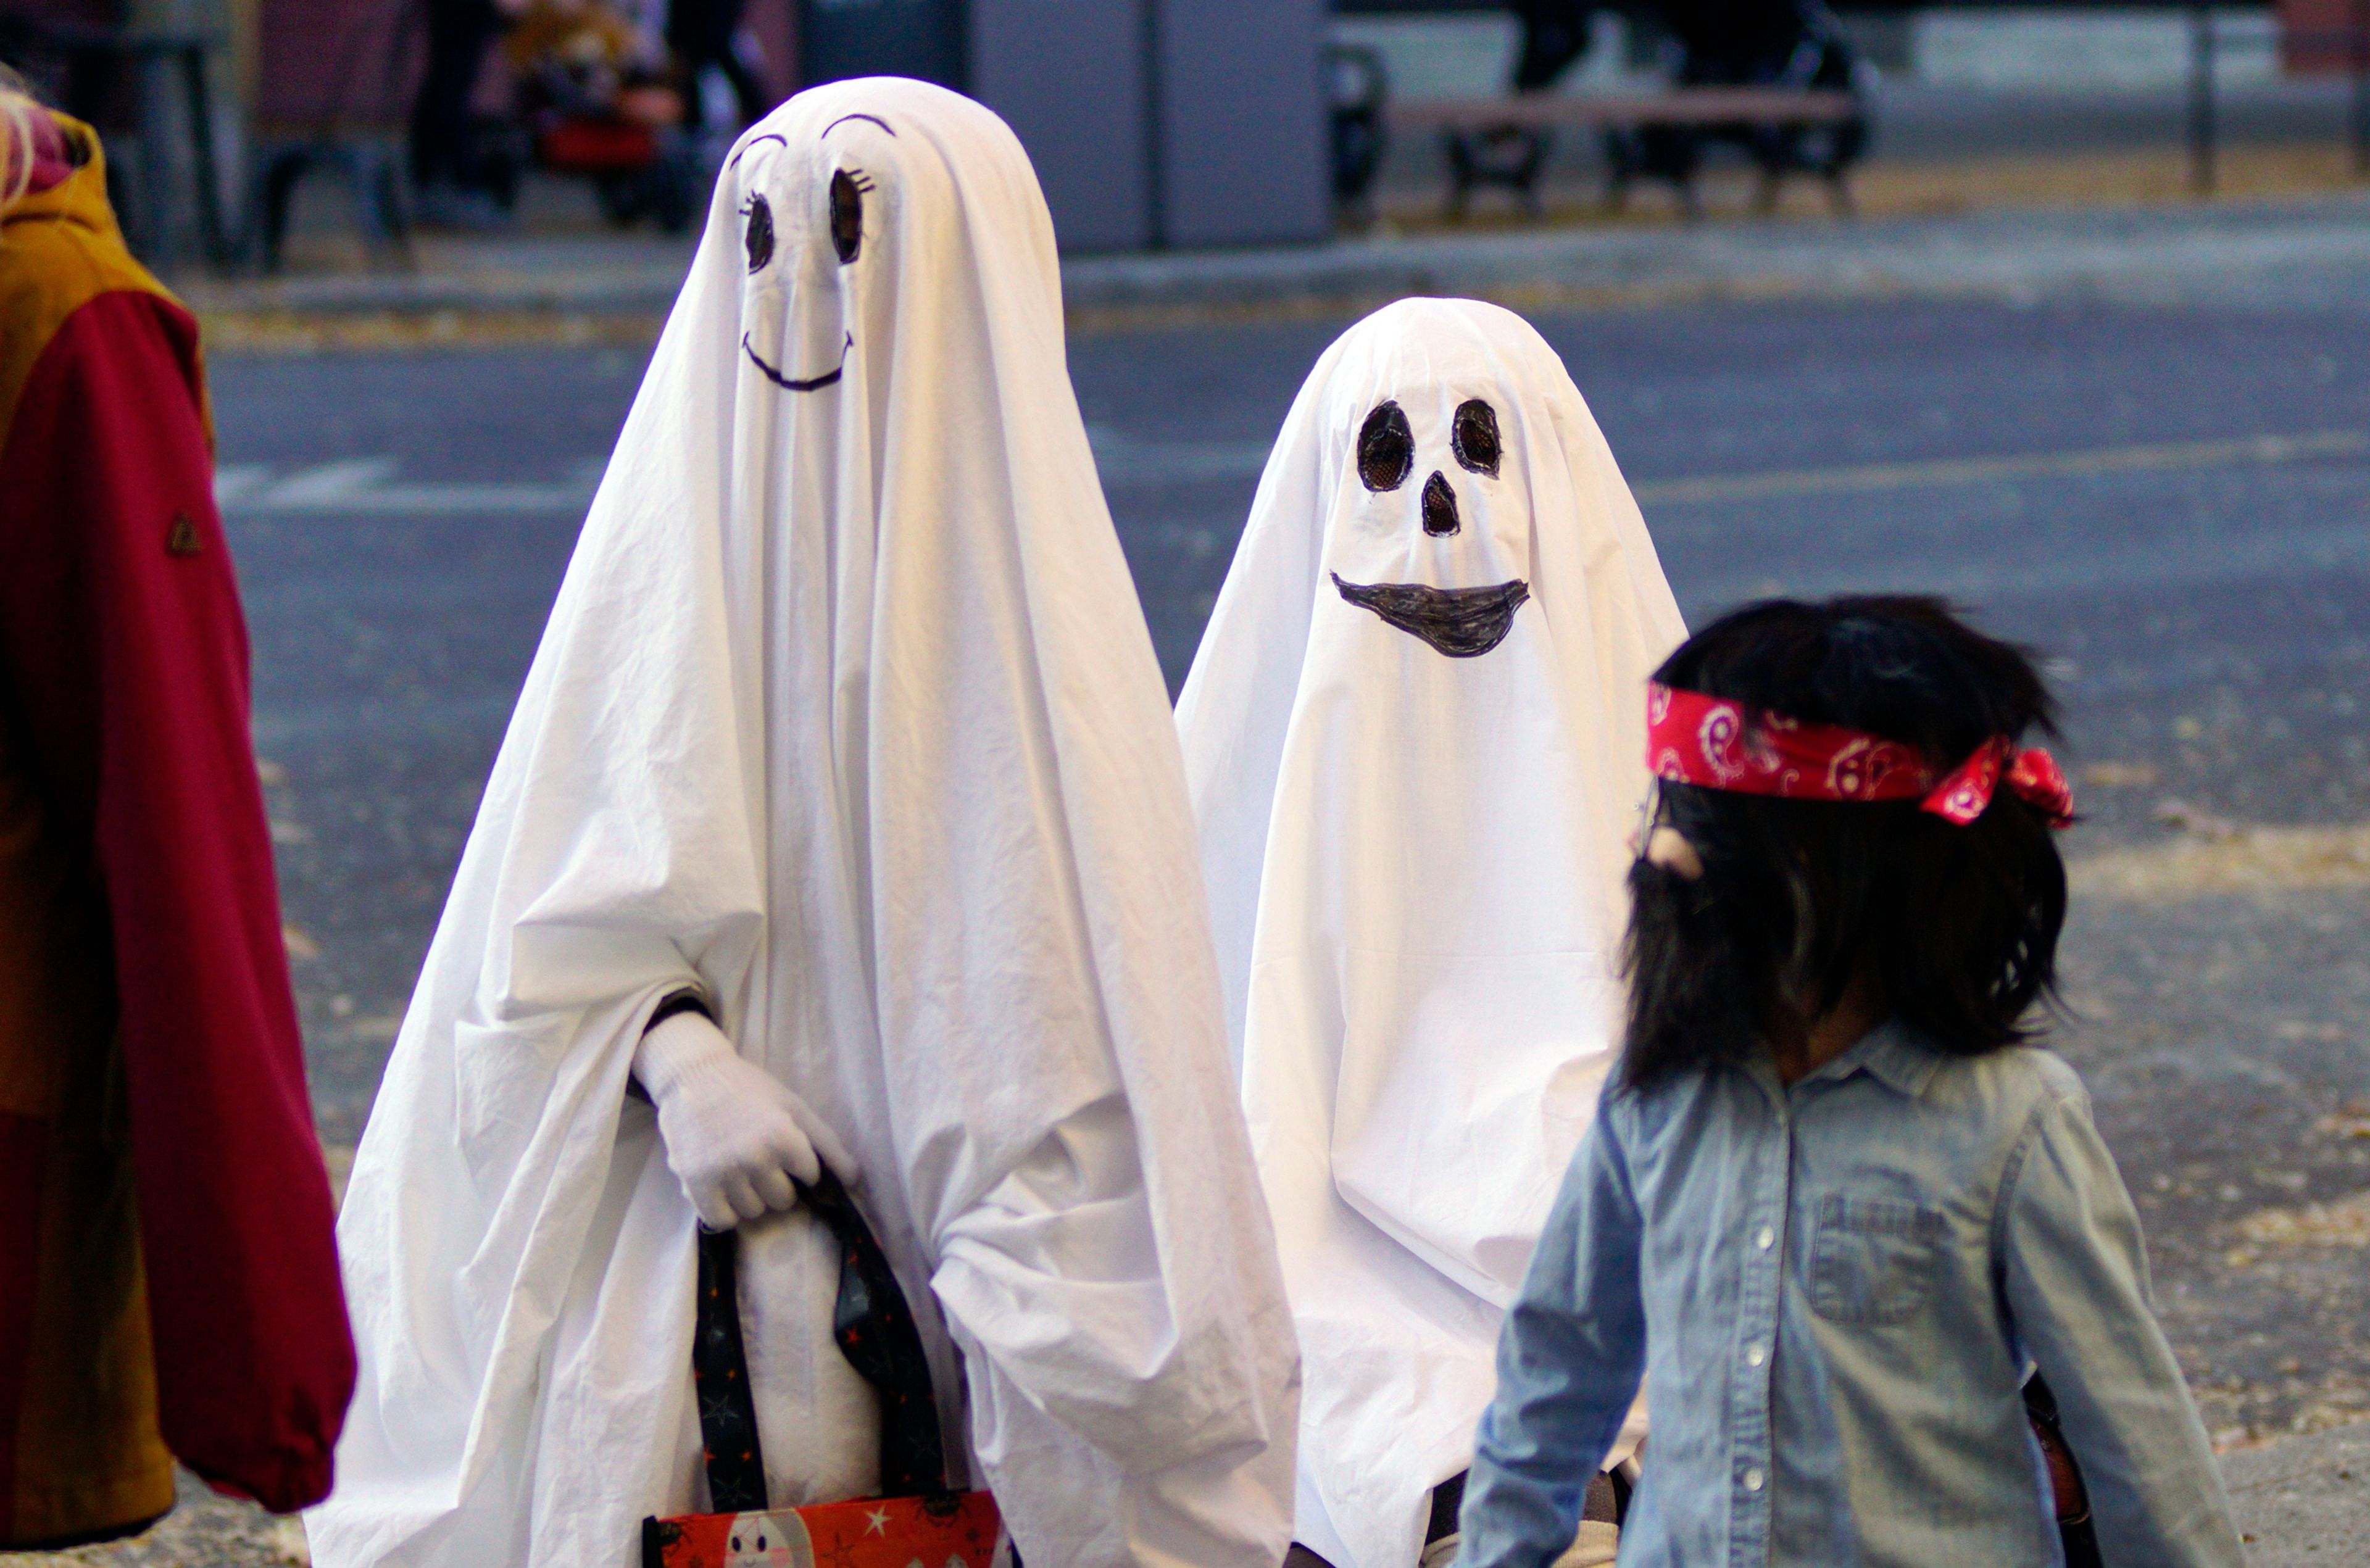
(1180, 122)
(1152, 122)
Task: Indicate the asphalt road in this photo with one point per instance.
(2173, 504)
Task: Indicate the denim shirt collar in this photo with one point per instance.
(1892, 1053)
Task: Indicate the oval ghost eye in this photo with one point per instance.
(759, 236)
(1386, 448)
(846, 217)
(1474, 437)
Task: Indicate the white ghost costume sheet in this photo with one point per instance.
(846, 715)
(1415, 737)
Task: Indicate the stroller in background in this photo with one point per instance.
(597, 102)
(1796, 44)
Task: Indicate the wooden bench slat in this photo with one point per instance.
(1681, 105)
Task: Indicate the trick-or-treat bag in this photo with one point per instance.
(917, 1520)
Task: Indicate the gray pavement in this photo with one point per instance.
(2307, 251)
(2304, 1503)
(2302, 251)
(2141, 441)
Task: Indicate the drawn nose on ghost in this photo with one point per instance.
(1439, 505)
(1462, 622)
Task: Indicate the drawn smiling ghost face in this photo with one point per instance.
(802, 230)
(767, 1540)
(1459, 622)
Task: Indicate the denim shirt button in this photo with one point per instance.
(1755, 1355)
(1764, 1238)
(1752, 1478)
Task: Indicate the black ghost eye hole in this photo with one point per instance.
(848, 189)
(759, 236)
(1473, 436)
(1386, 448)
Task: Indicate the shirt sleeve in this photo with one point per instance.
(2077, 1282)
(1569, 1358)
(123, 645)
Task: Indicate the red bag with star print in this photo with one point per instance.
(918, 1522)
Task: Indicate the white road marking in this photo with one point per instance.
(366, 484)
(328, 484)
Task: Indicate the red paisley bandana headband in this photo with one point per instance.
(1718, 744)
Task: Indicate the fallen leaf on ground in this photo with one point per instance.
(2345, 1223)
(2244, 859)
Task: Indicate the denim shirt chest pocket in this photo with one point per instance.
(1874, 1260)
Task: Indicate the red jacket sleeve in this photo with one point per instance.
(122, 641)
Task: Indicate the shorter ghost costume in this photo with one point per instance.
(1414, 741)
(847, 721)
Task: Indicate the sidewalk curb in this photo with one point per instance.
(2138, 255)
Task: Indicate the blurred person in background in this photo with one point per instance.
(168, 1285)
(706, 35)
(1554, 34)
(445, 180)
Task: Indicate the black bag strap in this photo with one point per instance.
(873, 1328)
(2075, 1528)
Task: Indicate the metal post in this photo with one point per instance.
(211, 232)
(1155, 133)
(2357, 53)
(2201, 99)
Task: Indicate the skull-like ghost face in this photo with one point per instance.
(801, 230)
(767, 1540)
(1463, 623)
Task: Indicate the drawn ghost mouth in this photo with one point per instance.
(1463, 623)
(793, 383)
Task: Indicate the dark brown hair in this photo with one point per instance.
(1956, 927)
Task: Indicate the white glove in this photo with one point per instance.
(735, 1136)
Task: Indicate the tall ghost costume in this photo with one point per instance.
(169, 1285)
(1413, 737)
(847, 720)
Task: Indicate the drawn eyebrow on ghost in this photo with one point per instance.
(752, 140)
(846, 118)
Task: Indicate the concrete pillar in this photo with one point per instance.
(1069, 77)
(1179, 122)
(1241, 156)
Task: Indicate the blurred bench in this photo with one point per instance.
(1517, 128)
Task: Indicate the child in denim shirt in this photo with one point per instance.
(1836, 1210)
